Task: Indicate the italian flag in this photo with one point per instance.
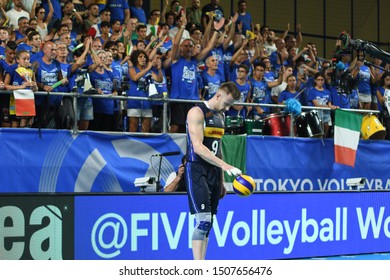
(24, 102)
(346, 136)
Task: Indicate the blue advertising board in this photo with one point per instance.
(59, 161)
(305, 164)
(262, 226)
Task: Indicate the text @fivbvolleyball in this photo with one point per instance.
(258, 229)
(306, 184)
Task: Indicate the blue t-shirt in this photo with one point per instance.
(233, 72)
(117, 80)
(382, 90)
(66, 73)
(138, 13)
(166, 46)
(364, 77)
(227, 57)
(140, 89)
(269, 76)
(2, 51)
(246, 22)
(163, 86)
(4, 66)
(234, 68)
(212, 83)
(16, 78)
(285, 95)
(218, 54)
(48, 74)
(118, 68)
(273, 58)
(125, 70)
(80, 85)
(117, 8)
(24, 47)
(184, 83)
(36, 56)
(322, 96)
(19, 35)
(260, 94)
(57, 14)
(338, 99)
(105, 83)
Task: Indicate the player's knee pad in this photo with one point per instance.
(203, 226)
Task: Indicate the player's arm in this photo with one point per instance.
(195, 120)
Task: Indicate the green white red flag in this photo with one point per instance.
(346, 136)
(24, 102)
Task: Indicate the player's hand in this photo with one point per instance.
(233, 172)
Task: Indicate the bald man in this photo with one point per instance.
(48, 72)
(211, 79)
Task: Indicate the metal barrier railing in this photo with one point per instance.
(166, 101)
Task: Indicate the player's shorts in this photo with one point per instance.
(203, 187)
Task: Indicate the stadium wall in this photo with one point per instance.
(321, 21)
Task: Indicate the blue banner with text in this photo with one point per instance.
(305, 164)
(59, 161)
(266, 226)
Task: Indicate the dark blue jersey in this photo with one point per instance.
(214, 128)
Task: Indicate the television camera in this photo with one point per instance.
(341, 76)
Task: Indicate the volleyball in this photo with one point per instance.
(244, 185)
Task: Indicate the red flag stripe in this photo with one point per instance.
(345, 155)
(25, 107)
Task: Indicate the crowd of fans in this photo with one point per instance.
(185, 51)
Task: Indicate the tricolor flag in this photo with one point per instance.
(346, 136)
(129, 49)
(154, 30)
(24, 102)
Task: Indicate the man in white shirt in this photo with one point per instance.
(175, 181)
(278, 89)
(174, 30)
(15, 13)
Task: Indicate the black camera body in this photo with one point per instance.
(346, 83)
(341, 78)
